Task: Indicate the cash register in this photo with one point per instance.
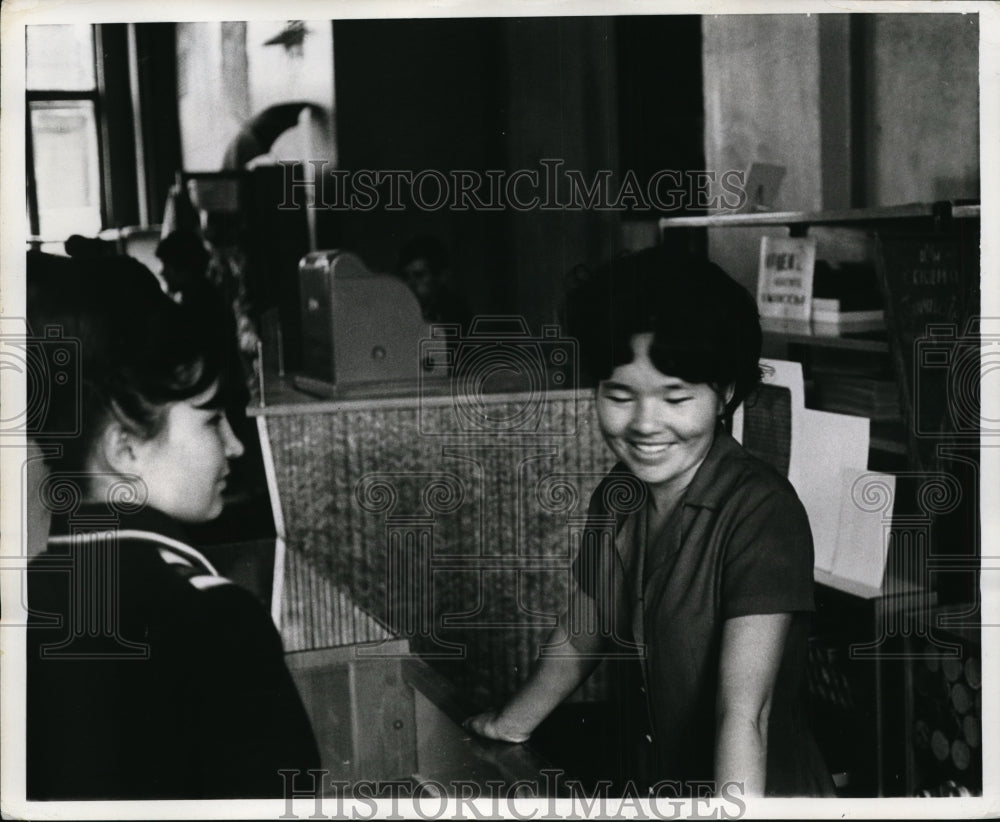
(361, 331)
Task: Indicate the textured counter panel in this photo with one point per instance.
(460, 543)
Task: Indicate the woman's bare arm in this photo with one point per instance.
(752, 647)
(566, 663)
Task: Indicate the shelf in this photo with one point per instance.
(887, 445)
(892, 586)
(889, 437)
(844, 216)
(802, 333)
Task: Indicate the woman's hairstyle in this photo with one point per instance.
(135, 351)
(184, 250)
(705, 325)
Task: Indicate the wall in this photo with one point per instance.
(417, 95)
(226, 75)
(924, 107)
(562, 104)
(210, 112)
(762, 104)
(474, 93)
(762, 97)
(862, 110)
(480, 94)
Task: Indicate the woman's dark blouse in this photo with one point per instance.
(191, 699)
(738, 544)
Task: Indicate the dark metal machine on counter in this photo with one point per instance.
(360, 330)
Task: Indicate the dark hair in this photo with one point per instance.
(184, 250)
(705, 325)
(138, 351)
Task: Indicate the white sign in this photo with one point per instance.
(785, 277)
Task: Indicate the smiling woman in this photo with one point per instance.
(158, 678)
(661, 427)
(707, 583)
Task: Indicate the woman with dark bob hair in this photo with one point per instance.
(705, 574)
(149, 676)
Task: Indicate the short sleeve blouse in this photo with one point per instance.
(738, 544)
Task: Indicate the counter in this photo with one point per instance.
(445, 518)
(388, 721)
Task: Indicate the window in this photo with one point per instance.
(102, 139)
(63, 145)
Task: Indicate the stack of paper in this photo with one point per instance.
(849, 507)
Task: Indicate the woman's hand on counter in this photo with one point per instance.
(552, 679)
(489, 725)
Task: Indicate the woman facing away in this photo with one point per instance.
(149, 676)
(708, 580)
